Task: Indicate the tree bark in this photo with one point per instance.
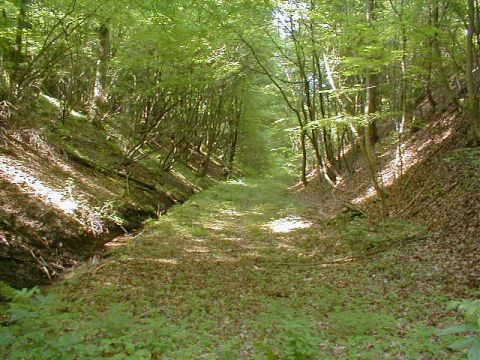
(99, 98)
(17, 55)
(304, 157)
(371, 84)
(234, 128)
(471, 61)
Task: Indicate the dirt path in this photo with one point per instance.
(236, 273)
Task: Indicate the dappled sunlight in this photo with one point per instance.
(11, 171)
(409, 157)
(239, 182)
(63, 200)
(226, 259)
(218, 226)
(299, 186)
(183, 178)
(254, 212)
(230, 212)
(288, 224)
(233, 239)
(39, 148)
(119, 242)
(198, 250)
(249, 247)
(286, 247)
(211, 197)
(154, 260)
(57, 104)
(253, 255)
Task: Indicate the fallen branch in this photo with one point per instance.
(410, 203)
(39, 260)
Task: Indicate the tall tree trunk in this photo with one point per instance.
(99, 98)
(368, 135)
(471, 61)
(303, 144)
(433, 14)
(17, 54)
(332, 168)
(442, 74)
(371, 84)
(234, 128)
(370, 156)
(400, 123)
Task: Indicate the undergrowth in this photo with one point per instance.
(38, 326)
(469, 330)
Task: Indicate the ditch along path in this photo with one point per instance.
(244, 271)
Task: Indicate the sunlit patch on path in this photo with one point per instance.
(238, 182)
(288, 224)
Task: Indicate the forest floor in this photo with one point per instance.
(245, 270)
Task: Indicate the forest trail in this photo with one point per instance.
(113, 112)
(240, 271)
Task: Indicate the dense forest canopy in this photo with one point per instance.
(184, 71)
(163, 70)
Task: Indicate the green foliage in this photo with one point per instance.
(361, 323)
(109, 211)
(6, 291)
(222, 303)
(262, 135)
(44, 327)
(298, 340)
(294, 335)
(11, 294)
(470, 310)
(177, 76)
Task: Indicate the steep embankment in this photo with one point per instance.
(64, 193)
(436, 184)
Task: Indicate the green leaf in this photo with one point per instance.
(474, 353)
(453, 306)
(6, 291)
(459, 329)
(462, 344)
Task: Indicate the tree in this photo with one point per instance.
(471, 64)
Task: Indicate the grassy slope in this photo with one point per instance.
(210, 280)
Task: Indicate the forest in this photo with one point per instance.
(249, 179)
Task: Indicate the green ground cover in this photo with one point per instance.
(241, 270)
